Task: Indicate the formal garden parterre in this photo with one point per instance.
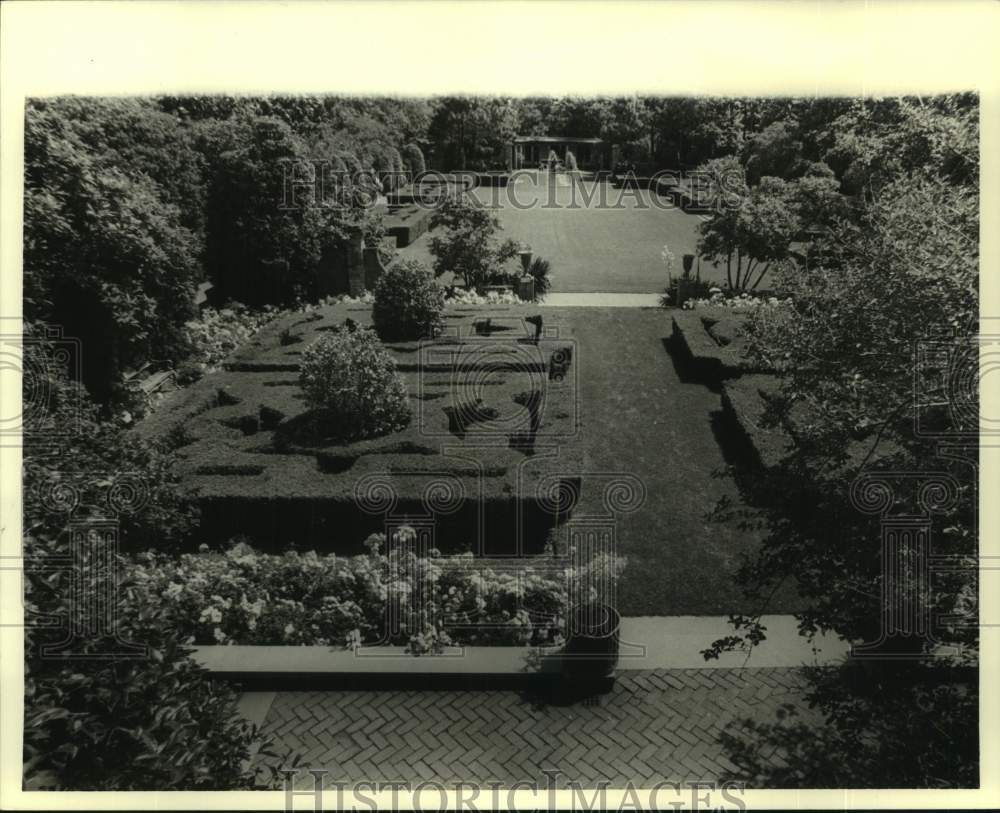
(472, 467)
(481, 404)
(619, 411)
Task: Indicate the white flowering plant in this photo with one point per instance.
(464, 296)
(218, 332)
(740, 302)
(242, 596)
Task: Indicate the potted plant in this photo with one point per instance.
(591, 651)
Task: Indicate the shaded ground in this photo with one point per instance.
(595, 245)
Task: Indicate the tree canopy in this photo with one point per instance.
(895, 268)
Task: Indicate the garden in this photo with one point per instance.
(472, 408)
(611, 406)
(473, 466)
(607, 240)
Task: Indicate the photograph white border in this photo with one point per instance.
(517, 48)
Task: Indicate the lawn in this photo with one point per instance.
(621, 413)
(595, 247)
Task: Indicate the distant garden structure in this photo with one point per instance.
(529, 151)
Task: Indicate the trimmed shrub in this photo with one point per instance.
(408, 302)
(414, 158)
(398, 170)
(351, 381)
(387, 162)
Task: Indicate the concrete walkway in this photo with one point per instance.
(676, 642)
(606, 300)
(644, 643)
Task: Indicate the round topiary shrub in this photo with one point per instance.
(414, 159)
(408, 302)
(351, 381)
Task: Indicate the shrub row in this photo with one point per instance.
(242, 596)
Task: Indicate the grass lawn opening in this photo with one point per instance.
(598, 238)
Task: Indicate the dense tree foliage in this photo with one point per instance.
(131, 203)
(472, 133)
(469, 246)
(898, 266)
(751, 231)
(69, 450)
(129, 710)
(902, 728)
(107, 255)
(268, 229)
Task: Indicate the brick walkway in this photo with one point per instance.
(655, 725)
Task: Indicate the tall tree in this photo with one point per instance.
(106, 256)
(751, 227)
(267, 231)
(902, 270)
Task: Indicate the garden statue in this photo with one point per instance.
(688, 264)
(525, 255)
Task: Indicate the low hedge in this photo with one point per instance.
(242, 596)
(745, 400)
(407, 222)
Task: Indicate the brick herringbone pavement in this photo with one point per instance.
(655, 725)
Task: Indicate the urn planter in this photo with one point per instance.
(591, 651)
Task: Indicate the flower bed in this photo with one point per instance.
(219, 332)
(740, 302)
(463, 296)
(246, 597)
